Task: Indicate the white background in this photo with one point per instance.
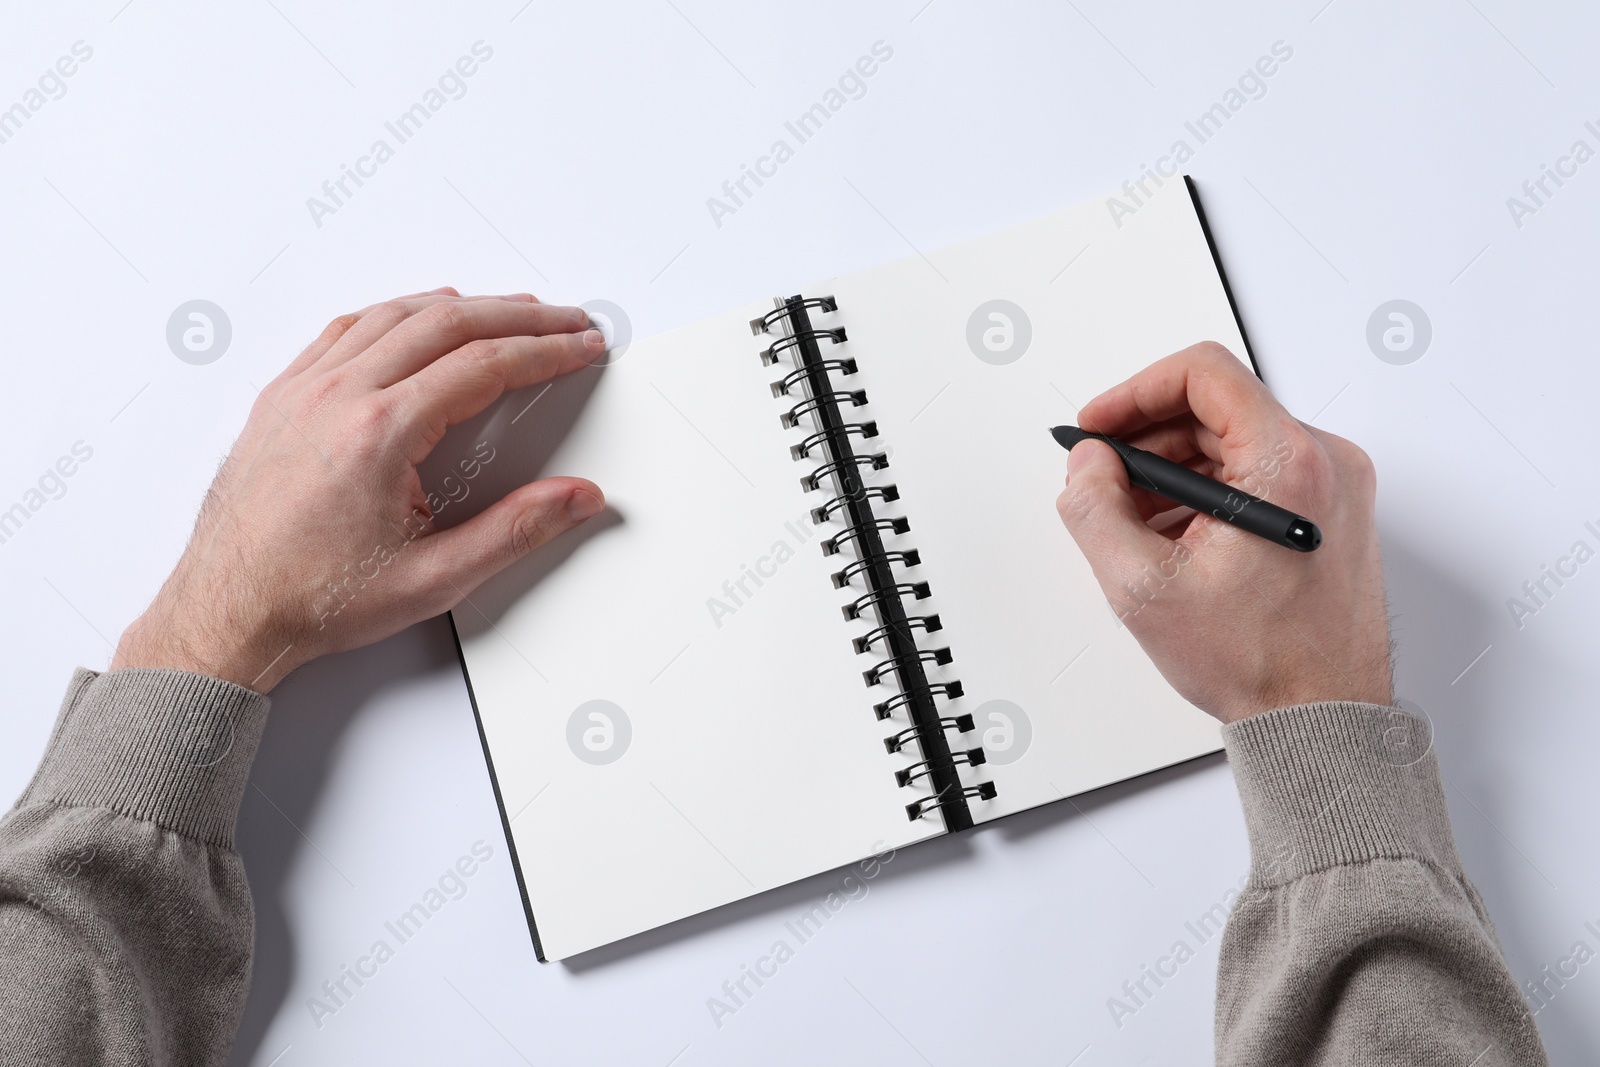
(1377, 165)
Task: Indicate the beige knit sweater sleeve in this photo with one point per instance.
(1358, 940)
(125, 918)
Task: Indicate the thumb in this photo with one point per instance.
(508, 530)
(1102, 516)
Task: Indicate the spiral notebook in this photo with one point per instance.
(830, 610)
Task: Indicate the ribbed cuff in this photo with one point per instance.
(167, 746)
(1335, 783)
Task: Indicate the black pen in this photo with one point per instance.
(1181, 485)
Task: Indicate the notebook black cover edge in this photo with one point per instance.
(499, 801)
(1222, 275)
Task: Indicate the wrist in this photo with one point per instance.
(1378, 691)
(244, 655)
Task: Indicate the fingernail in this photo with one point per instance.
(583, 504)
(578, 315)
(595, 340)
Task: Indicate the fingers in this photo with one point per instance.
(443, 290)
(419, 339)
(1100, 511)
(340, 326)
(1228, 400)
(375, 322)
(1180, 439)
(460, 559)
(451, 390)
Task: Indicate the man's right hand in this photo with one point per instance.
(1237, 624)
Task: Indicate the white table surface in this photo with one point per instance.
(1376, 165)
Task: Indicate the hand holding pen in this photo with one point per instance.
(1237, 624)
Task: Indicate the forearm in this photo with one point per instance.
(125, 918)
(1360, 939)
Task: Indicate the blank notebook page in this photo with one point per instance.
(754, 758)
(979, 475)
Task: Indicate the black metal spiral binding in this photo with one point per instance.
(972, 757)
(948, 690)
(786, 309)
(928, 623)
(791, 418)
(769, 355)
(814, 479)
(848, 499)
(898, 664)
(865, 532)
(794, 377)
(803, 449)
(961, 724)
(918, 808)
(909, 558)
(832, 545)
(883, 594)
